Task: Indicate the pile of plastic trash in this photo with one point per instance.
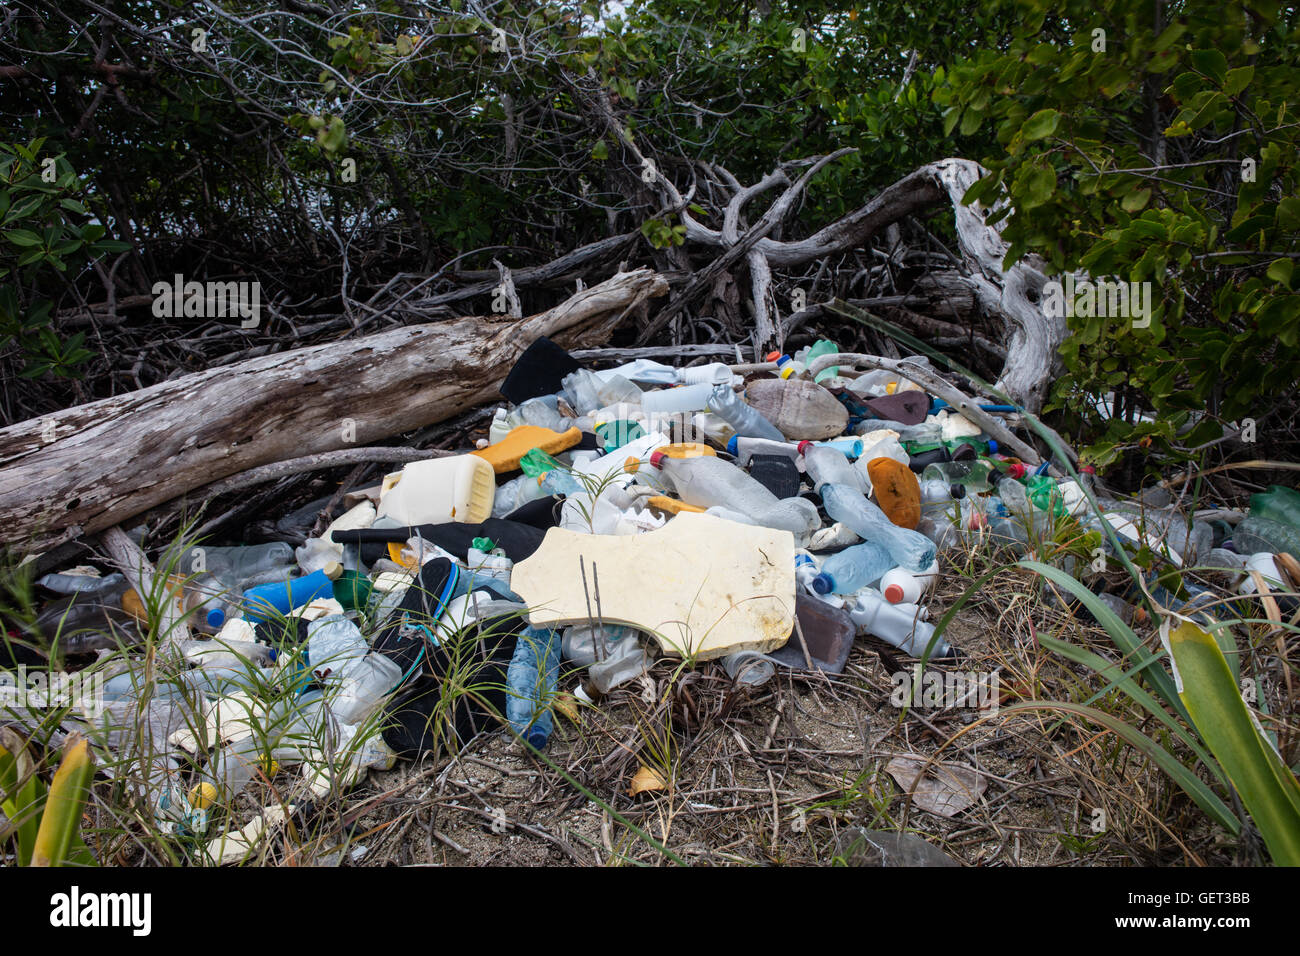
(779, 516)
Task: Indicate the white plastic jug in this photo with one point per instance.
(438, 490)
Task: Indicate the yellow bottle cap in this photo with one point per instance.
(203, 796)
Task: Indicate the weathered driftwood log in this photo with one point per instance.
(97, 465)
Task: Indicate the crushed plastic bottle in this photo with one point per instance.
(532, 678)
(910, 550)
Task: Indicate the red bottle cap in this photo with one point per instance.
(894, 594)
(803, 446)
(656, 458)
(1017, 470)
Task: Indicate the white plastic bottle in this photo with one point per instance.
(873, 614)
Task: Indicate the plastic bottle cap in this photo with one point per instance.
(203, 796)
(803, 447)
(733, 446)
(632, 465)
(656, 459)
(333, 570)
(772, 356)
(993, 446)
(1017, 471)
(957, 491)
(894, 594)
(537, 739)
(216, 617)
(823, 583)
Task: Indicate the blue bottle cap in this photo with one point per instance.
(993, 446)
(537, 738)
(733, 445)
(216, 617)
(823, 583)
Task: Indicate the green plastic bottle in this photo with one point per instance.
(1044, 494)
(537, 462)
(1278, 503)
(823, 347)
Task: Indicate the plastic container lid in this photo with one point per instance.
(894, 594)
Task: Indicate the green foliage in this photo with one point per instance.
(45, 239)
(1169, 157)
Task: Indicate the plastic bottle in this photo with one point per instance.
(744, 419)
(438, 490)
(748, 667)
(903, 587)
(585, 644)
(684, 398)
(715, 373)
(87, 585)
(973, 476)
(817, 350)
(850, 447)
(743, 449)
(228, 655)
(1278, 503)
(236, 563)
(805, 570)
(1266, 565)
(489, 565)
(709, 482)
(266, 600)
(825, 465)
(290, 733)
(532, 676)
(852, 569)
(627, 661)
(877, 617)
(938, 499)
(910, 550)
(1254, 534)
(541, 411)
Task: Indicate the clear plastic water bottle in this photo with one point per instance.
(532, 676)
(910, 550)
(237, 563)
(829, 465)
(709, 481)
(972, 475)
(853, 568)
(744, 419)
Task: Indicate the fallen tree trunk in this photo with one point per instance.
(97, 465)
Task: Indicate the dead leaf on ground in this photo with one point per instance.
(647, 778)
(943, 788)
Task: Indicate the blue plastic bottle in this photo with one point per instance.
(533, 674)
(853, 568)
(268, 600)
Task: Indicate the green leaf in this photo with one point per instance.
(1279, 270)
(1267, 788)
(600, 150)
(1238, 79)
(23, 237)
(1136, 200)
(1037, 186)
(1041, 125)
(1212, 63)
